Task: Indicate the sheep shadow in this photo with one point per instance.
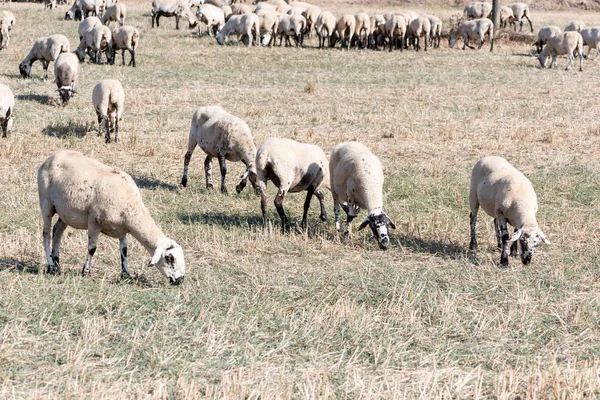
(38, 98)
(145, 182)
(62, 130)
(22, 266)
(215, 218)
(451, 251)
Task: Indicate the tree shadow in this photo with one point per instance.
(446, 250)
(61, 130)
(12, 264)
(38, 98)
(145, 182)
(220, 219)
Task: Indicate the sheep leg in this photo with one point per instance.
(285, 223)
(505, 237)
(47, 214)
(530, 24)
(223, 168)
(45, 66)
(514, 252)
(132, 62)
(186, 162)
(1, 40)
(498, 232)
(123, 57)
(571, 59)
(336, 214)
(123, 252)
(351, 212)
(309, 193)
(176, 21)
(473, 225)
(116, 128)
(57, 232)
(107, 124)
(263, 201)
(100, 119)
(323, 215)
(93, 232)
(208, 171)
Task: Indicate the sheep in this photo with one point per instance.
(95, 41)
(240, 25)
(172, 8)
(239, 9)
(66, 72)
(311, 14)
(477, 10)
(346, 26)
(87, 194)
(269, 23)
(357, 182)
(117, 12)
(325, 27)
(265, 7)
(544, 34)
(108, 98)
(291, 25)
(508, 196)
(7, 21)
(395, 28)
(591, 38)
(292, 167)
(420, 27)
(45, 49)
(362, 29)
(435, 33)
(87, 24)
(377, 30)
(563, 43)
(225, 137)
(82, 8)
(576, 26)
(211, 15)
(474, 29)
(507, 17)
(125, 38)
(7, 106)
(50, 4)
(520, 11)
(219, 3)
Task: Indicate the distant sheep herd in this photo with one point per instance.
(108, 200)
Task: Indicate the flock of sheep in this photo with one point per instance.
(108, 201)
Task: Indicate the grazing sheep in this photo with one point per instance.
(435, 33)
(66, 72)
(475, 29)
(45, 49)
(507, 195)
(325, 27)
(420, 27)
(225, 137)
(520, 11)
(357, 182)
(125, 38)
(263, 6)
(87, 24)
(245, 24)
(7, 21)
(591, 38)
(377, 30)
(239, 9)
(269, 23)
(292, 167)
(172, 8)
(212, 16)
(94, 42)
(50, 4)
(544, 34)
(576, 26)
(395, 27)
(293, 25)
(7, 106)
(477, 10)
(108, 98)
(219, 3)
(311, 14)
(82, 8)
(117, 12)
(346, 26)
(87, 194)
(563, 44)
(362, 29)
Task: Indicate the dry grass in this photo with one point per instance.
(267, 315)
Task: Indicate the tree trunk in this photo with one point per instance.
(496, 13)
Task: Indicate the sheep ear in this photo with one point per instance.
(543, 237)
(156, 256)
(516, 236)
(364, 223)
(390, 222)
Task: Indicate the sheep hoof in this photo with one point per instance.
(52, 270)
(504, 262)
(184, 181)
(125, 277)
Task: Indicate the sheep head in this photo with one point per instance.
(25, 69)
(168, 259)
(378, 221)
(529, 238)
(66, 92)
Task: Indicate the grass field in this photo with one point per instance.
(263, 314)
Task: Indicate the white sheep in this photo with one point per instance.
(212, 16)
(563, 44)
(591, 38)
(395, 28)
(311, 14)
(268, 25)
(520, 11)
(576, 26)
(108, 98)
(117, 12)
(225, 137)
(362, 29)
(7, 22)
(544, 34)
(239, 9)
(346, 26)
(292, 167)
(50, 4)
(87, 24)
(82, 8)
(507, 195)
(420, 27)
(66, 73)
(435, 33)
(94, 42)
(377, 30)
(293, 25)
(357, 182)
(475, 29)
(476, 10)
(246, 24)
(7, 107)
(125, 38)
(325, 26)
(507, 17)
(264, 6)
(172, 8)
(227, 12)
(87, 194)
(45, 49)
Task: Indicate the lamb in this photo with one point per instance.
(172, 8)
(211, 15)
(66, 72)
(125, 38)
(477, 10)
(292, 167)
(435, 33)
(357, 182)
(325, 27)
(475, 29)
(87, 24)
(507, 17)
(420, 27)
(225, 137)
(269, 23)
(362, 29)
(591, 38)
(395, 28)
(87, 194)
(291, 25)
(95, 41)
(576, 26)
(7, 21)
(117, 12)
(544, 34)
(108, 98)
(563, 43)
(240, 25)
(7, 106)
(45, 49)
(507, 195)
(311, 14)
(520, 11)
(346, 27)
(82, 8)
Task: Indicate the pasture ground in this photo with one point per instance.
(267, 315)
